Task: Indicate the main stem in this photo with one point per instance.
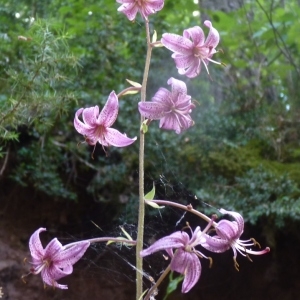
(140, 233)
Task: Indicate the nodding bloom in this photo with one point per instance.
(171, 108)
(55, 261)
(192, 48)
(96, 126)
(145, 7)
(228, 236)
(185, 260)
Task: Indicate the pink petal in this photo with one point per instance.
(227, 230)
(175, 240)
(81, 127)
(178, 87)
(177, 43)
(213, 37)
(162, 96)
(109, 113)
(52, 249)
(69, 256)
(215, 244)
(151, 110)
(35, 246)
(50, 275)
(129, 9)
(116, 138)
(193, 70)
(188, 264)
(170, 122)
(192, 273)
(238, 218)
(196, 34)
(90, 115)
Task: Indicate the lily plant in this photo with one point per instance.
(173, 108)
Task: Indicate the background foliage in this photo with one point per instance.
(243, 153)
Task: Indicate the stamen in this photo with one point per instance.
(255, 243)
(210, 261)
(236, 265)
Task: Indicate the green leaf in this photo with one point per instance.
(151, 194)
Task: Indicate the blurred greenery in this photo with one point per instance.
(243, 152)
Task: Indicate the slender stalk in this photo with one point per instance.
(140, 233)
(188, 208)
(158, 282)
(104, 239)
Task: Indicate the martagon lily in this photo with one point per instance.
(145, 7)
(55, 261)
(192, 48)
(171, 108)
(185, 260)
(228, 236)
(96, 127)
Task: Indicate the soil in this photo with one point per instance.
(272, 276)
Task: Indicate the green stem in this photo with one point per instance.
(140, 233)
(158, 282)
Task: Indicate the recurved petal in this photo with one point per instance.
(227, 230)
(116, 138)
(215, 243)
(175, 240)
(192, 70)
(170, 122)
(163, 96)
(213, 37)
(35, 246)
(177, 43)
(89, 115)
(51, 274)
(53, 249)
(129, 9)
(189, 265)
(81, 127)
(178, 88)
(238, 218)
(196, 34)
(70, 255)
(151, 6)
(109, 113)
(152, 110)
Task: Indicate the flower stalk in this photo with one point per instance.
(141, 216)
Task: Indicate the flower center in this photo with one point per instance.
(201, 52)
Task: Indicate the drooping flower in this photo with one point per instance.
(96, 127)
(145, 7)
(228, 236)
(185, 260)
(192, 48)
(171, 108)
(55, 261)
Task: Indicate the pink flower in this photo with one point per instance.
(171, 108)
(55, 261)
(185, 260)
(228, 236)
(96, 127)
(145, 7)
(191, 49)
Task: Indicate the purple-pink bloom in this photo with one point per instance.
(145, 7)
(228, 236)
(192, 48)
(55, 261)
(185, 260)
(96, 126)
(171, 108)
